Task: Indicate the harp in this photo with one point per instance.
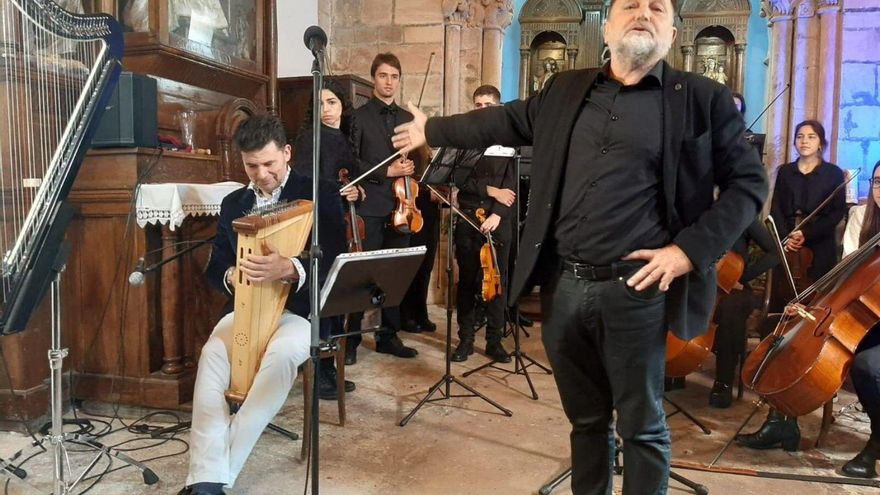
(57, 70)
(258, 306)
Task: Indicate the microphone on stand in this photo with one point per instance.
(315, 39)
(136, 277)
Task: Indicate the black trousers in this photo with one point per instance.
(415, 303)
(607, 345)
(468, 242)
(380, 235)
(731, 314)
(865, 374)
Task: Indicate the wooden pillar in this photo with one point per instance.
(572, 58)
(687, 52)
(524, 81)
(739, 68)
(172, 334)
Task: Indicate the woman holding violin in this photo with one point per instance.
(811, 250)
(336, 158)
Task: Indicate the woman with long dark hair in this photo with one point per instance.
(801, 186)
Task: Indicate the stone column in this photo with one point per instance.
(804, 64)
(829, 73)
(739, 67)
(572, 58)
(687, 52)
(524, 79)
(776, 127)
(452, 75)
(498, 15)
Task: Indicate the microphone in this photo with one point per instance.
(315, 39)
(136, 277)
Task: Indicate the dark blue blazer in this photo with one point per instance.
(330, 223)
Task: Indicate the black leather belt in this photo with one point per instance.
(585, 271)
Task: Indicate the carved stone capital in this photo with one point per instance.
(777, 9)
(828, 7)
(498, 14)
(456, 11)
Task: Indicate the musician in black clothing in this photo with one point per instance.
(336, 154)
(733, 311)
(489, 185)
(371, 140)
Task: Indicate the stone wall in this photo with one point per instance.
(859, 120)
(411, 29)
(465, 36)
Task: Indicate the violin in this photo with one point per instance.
(355, 232)
(488, 261)
(802, 364)
(407, 218)
(685, 357)
(800, 262)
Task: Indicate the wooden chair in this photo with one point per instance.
(308, 379)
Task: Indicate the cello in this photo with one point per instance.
(491, 287)
(683, 357)
(406, 217)
(802, 364)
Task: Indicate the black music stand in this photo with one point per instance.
(447, 165)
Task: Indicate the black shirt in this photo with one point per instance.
(795, 191)
(371, 138)
(336, 154)
(496, 171)
(611, 191)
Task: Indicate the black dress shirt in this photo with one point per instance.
(611, 200)
(371, 138)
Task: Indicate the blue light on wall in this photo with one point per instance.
(756, 71)
(510, 57)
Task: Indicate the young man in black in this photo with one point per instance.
(489, 185)
(371, 140)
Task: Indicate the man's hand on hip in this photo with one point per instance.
(664, 264)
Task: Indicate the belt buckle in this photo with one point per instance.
(585, 271)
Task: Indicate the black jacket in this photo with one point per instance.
(331, 226)
(703, 147)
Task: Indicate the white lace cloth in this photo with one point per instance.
(169, 204)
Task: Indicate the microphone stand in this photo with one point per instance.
(314, 259)
(155, 266)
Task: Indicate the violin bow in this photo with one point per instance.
(769, 105)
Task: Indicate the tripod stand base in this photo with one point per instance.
(520, 367)
(693, 485)
(448, 380)
(683, 411)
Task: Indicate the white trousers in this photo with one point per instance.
(219, 442)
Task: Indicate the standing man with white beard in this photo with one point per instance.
(623, 230)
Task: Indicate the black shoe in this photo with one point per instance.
(351, 354)
(203, 488)
(426, 325)
(525, 321)
(394, 346)
(464, 349)
(721, 396)
(329, 367)
(497, 352)
(411, 326)
(777, 431)
(864, 465)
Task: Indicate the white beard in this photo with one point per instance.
(640, 50)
